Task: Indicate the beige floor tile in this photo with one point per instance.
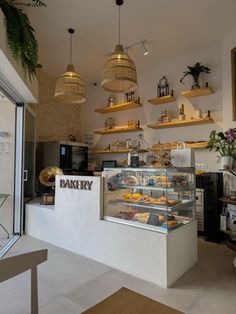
(215, 303)
(69, 282)
(180, 297)
(61, 306)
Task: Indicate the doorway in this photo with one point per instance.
(11, 158)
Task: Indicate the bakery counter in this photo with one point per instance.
(76, 223)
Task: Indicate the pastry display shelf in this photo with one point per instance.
(115, 151)
(198, 92)
(119, 107)
(119, 130)
(162, 100)
(177, 123)
(132, 223)
(169, 146)
(155, 188)
(135, 224)
(181, 205)
(172, 169)
(227, 200)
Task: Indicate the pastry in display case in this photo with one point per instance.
(157, 199)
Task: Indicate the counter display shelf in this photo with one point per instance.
(156, 199)
(79, 222)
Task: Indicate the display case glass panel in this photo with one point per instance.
(160, 199)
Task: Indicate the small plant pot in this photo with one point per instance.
(226, 163)
(196, 83)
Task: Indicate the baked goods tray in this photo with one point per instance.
(180, 205)
(154, 187)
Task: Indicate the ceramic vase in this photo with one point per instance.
(226, 163)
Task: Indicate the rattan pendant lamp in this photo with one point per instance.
(70, 88)
(119, 72)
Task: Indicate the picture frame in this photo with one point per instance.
(233, 81)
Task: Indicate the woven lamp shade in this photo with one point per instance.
(70, 88)
(119, 72)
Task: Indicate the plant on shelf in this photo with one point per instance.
(20, 34)
(225, 144)
(195, 72)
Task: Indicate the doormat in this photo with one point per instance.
(125, 301)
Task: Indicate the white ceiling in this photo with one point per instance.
(171, 27)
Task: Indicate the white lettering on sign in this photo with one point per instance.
(76, 184)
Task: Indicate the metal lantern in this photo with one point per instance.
(163, 87)
(119, 72)
(69, 86)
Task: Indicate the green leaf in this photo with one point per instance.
(21, 35)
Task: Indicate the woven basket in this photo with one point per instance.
(69, 87)
(119, 72)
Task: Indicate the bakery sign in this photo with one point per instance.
(76, 184)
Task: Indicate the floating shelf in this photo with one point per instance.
(198, 92)
(169, 146)
(119, 107)
(227, 200)
(178, 123)
(124, 129)
(162, 100)
(105, 152)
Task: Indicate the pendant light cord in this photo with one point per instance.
(70, 48)
(71, 32)
(119, 25)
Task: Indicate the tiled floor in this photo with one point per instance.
(69, 283)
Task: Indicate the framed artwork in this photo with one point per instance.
(233, 70)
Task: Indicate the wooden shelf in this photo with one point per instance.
(229, 232)
(227, 200)
(198, 92)
(119, 107)
(169, 146)
(162, 100)
(124, 129)
(178, 123)
(114, 151)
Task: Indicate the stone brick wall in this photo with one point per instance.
(54, 121)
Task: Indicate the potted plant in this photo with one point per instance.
(225, 144)
(195, 72)
(20, 34)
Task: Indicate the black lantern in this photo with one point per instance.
(163, 87)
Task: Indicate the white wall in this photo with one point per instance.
(7, 124)
(228, 44)
(149, 72)
(13, 73)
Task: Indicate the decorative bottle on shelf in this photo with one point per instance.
(182, 116)
(129, 147)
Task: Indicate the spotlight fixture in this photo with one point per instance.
(119, 72)
(70, 88)
(141, 43)
(146, 52)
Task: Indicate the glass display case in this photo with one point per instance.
(160, 199)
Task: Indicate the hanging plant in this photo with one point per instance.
(20, 34)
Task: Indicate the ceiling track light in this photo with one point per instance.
(119, 72)
(69, 87)
(146, 52)
(141, 43)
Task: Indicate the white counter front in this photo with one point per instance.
(74, 224)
